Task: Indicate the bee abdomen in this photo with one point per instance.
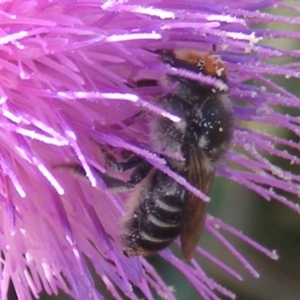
(157, 223)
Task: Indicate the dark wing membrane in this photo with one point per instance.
(195, 209)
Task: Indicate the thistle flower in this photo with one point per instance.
(65, 89)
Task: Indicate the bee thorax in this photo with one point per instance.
(211, 126)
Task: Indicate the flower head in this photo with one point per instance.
(66, 87)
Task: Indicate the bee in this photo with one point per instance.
(159, 208)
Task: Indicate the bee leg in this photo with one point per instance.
(128, 121)
(140, 171)
(146, 82)
(142, 83)
(130, 163)
(139, 166)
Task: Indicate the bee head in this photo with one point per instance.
(194, 61)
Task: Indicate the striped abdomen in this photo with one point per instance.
(155, 220)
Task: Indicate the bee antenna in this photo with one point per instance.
(160, 51)
(214, 48)
(148, 50)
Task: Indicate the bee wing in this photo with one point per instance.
(195, 209)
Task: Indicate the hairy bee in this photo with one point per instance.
(162, 209)
(159, 208)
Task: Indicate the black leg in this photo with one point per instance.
(147, 82)
(140, 170)
(143, 83)
(137, 175)
(131, 162)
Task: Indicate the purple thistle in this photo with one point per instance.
(64, 88)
